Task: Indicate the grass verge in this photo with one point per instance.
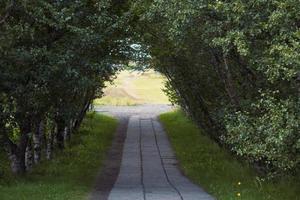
(217, 171)
(70, 175)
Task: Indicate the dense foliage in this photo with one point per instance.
(54, 59)
(234, 66)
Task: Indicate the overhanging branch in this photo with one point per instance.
(7, 12)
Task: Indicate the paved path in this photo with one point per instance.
(149, 168)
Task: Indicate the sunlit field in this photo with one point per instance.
(134, 88)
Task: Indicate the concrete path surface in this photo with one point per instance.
(149, 168)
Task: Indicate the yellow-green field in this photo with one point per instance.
(133, 88)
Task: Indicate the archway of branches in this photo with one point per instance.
(232, 66)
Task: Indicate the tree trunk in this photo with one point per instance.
(17, 153)
(15, 163)
(183, 78)
(50, 144)
(67, 134)
(37, 141)
(85, 107)
(60, 134)
(29, 156)
(224, 73)
(246, 71)
(81, 116)
(232, 92)
(12, 151)
(25, 130)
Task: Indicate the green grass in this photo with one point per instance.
(71, 174)
(217, 171)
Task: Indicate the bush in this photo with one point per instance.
(234, 67)
(268, 134)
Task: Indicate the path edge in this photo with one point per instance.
(110, 169)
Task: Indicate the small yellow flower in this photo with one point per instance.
(239, 183)
(238, 194)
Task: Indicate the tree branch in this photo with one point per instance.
(7, 12)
